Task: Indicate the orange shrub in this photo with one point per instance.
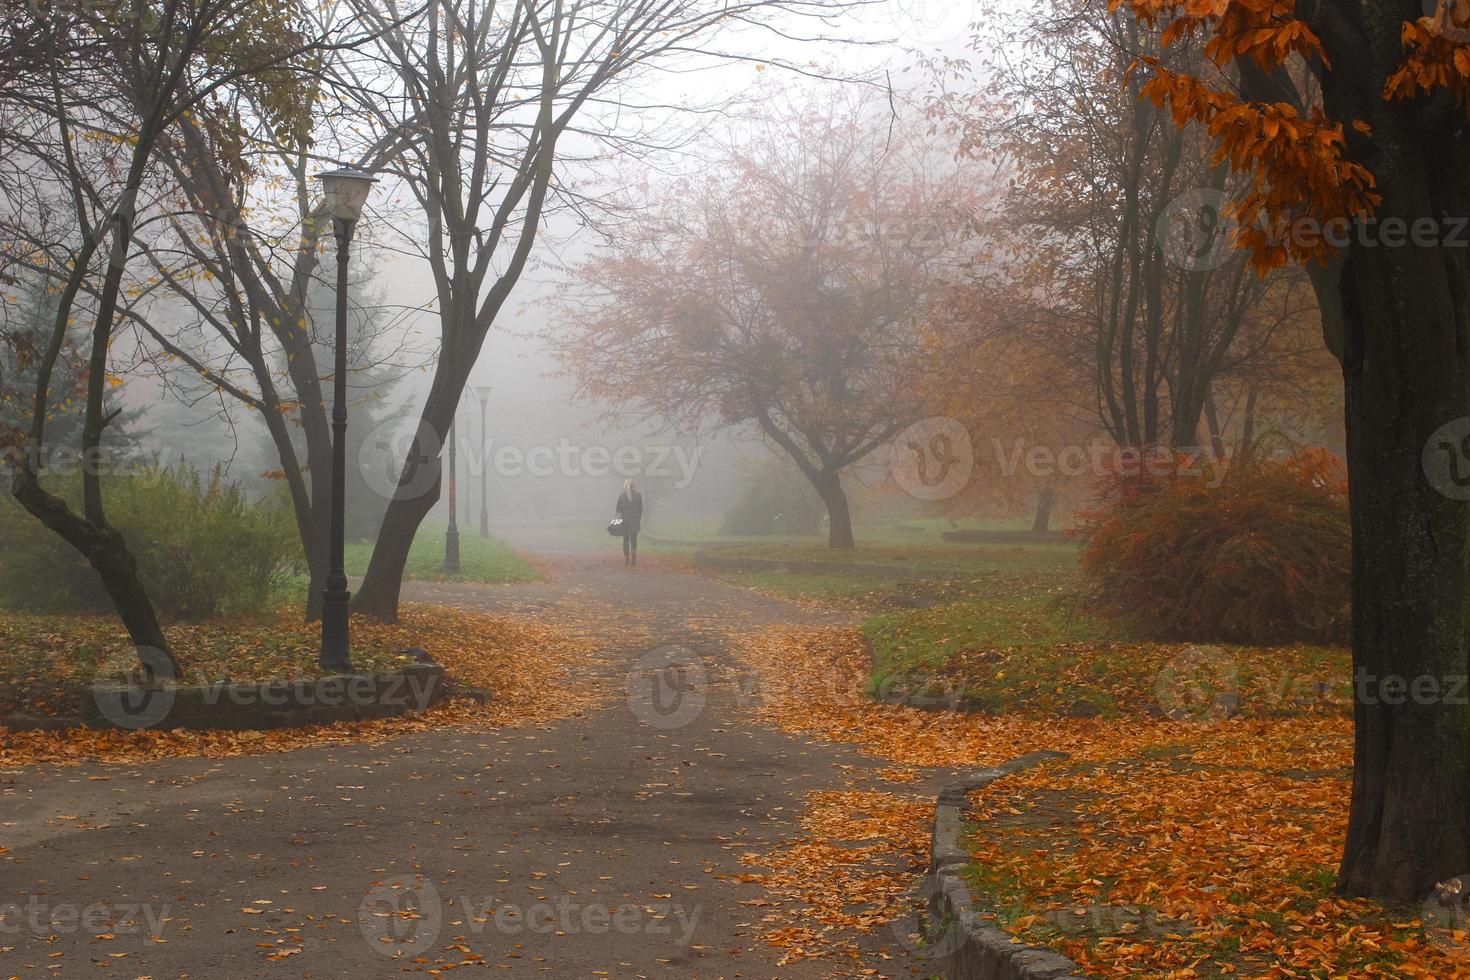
(1264, 557)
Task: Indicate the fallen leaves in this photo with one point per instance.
(846, 874)
(1190, 849)
(1197, 861)
(530, 668)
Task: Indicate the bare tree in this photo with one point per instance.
(241, 248)
(1114, 226)
(121, 78)
(494, 90)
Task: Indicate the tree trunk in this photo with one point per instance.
(1248, 427)
(839, 516)
(1407, 342)
(419, 488)
(1044, 504)
(107, 552)
(381, 586)
(1212, 424)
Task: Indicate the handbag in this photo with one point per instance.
(615, 526)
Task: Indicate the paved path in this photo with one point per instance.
(597, 840)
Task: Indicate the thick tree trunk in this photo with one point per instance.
(1406, 367)
(1044, 504)
(381, 586)
(419, 487)
(839, 516)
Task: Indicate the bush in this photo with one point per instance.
(203, 549)
(774, 499)
(1265, 557)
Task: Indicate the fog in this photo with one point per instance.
(538, 453)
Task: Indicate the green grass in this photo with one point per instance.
(922, 559)
(483, 560)
(1030, 650)
(1020, 647)
(928, 569)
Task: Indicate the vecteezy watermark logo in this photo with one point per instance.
(1446, 459)
(400, 463)
(667, 687)
(1194, 231)
(924, 23)
(566, 458)
(1200, 684)
(396, 464)
(933, 459)
(1451, 18)
(42, 918)
(1445, 917)
(931, 925)
(565, 916)
(401, 916)
(140, 699)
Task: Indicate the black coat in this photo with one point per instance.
(631, 511)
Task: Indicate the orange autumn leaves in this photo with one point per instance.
(1159, 848)
(1195, 863)
(855, 836)
(530, 668)
(1297, 161)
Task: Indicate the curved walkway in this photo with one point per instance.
(604, 845)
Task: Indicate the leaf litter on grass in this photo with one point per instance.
(1203, 848)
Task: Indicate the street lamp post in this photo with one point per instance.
(451, 539)
(345, 192)
(483, 394)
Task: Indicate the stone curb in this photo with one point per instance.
(966, 945)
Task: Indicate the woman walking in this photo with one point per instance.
(630, 509)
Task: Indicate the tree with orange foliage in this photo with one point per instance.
(785, 290)
(1099, 241)
(1368, 185)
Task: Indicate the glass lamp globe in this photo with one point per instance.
(346, 191)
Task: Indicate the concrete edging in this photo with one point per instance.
(964, 945)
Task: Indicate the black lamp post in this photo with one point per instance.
(483, 394)
(345, 192)
(451, 539)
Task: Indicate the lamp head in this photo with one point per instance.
(346, 191)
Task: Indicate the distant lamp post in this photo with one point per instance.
(451, 538)
(483, 394)
(344, 191)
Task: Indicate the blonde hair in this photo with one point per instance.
(628, 486)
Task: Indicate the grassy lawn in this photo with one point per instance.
(911, 564)
(1204, 847)
(1032, 650)
(485, 560)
